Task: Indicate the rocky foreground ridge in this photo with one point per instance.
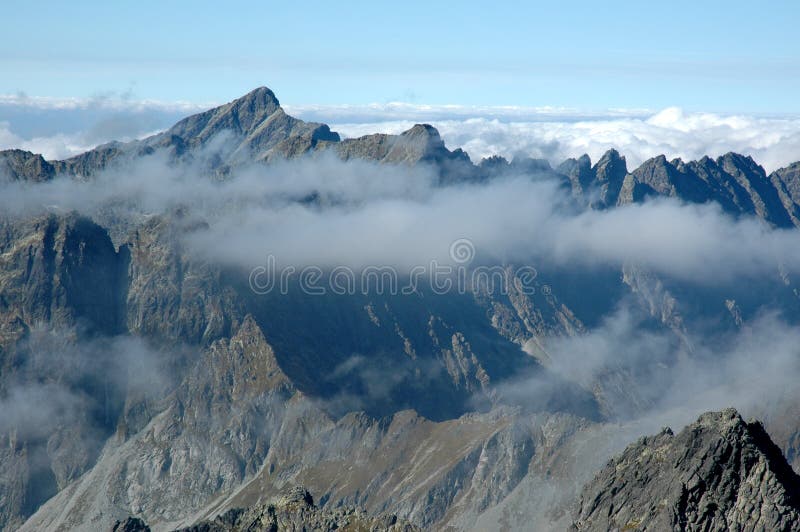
(719, 473)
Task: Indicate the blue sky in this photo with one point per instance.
(710, 56)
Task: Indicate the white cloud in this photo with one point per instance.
(398, 111)
(556, 134)
(371, 214)
(58, 146)
(59, 128)
(118, 102)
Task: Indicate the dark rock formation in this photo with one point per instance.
(609, 172)
(719, 473)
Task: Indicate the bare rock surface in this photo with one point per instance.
(719, 473)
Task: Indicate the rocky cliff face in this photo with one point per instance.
(719, 473)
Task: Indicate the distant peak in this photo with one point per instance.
(612, 163)
(653, 162)
(740, 162)
(611, 155)
(260, 94)
(260, 102)
(423, 130)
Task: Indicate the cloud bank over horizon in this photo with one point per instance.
(558, 134)
(59, 128)
(63, 127)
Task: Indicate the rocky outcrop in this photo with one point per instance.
(579, 172)
(295, 510)
(719, 473)
(420, 144)
(20, 165)
(609, 173)
(131, 524)
(787, 182)
(737, 183)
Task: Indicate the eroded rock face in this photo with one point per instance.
(719, 473)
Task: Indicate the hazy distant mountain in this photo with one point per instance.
(145, 380)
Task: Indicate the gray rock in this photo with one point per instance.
(19, 165)
(719, 473)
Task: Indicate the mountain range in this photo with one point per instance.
(142, 381)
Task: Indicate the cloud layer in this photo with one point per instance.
(326, 212)
(59, 128)
(558, 134)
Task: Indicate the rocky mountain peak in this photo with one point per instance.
(609, 173)
(718, 473)
(241, 116)
(739, 161)
(611, 167)
(423, 130)
(579, 172)
(423, 137)
(421, 143)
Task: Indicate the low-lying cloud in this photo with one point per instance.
(325, 212)
(650, 376)
(53, 384)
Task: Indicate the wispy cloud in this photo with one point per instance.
(59, 128)
(111, 100)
